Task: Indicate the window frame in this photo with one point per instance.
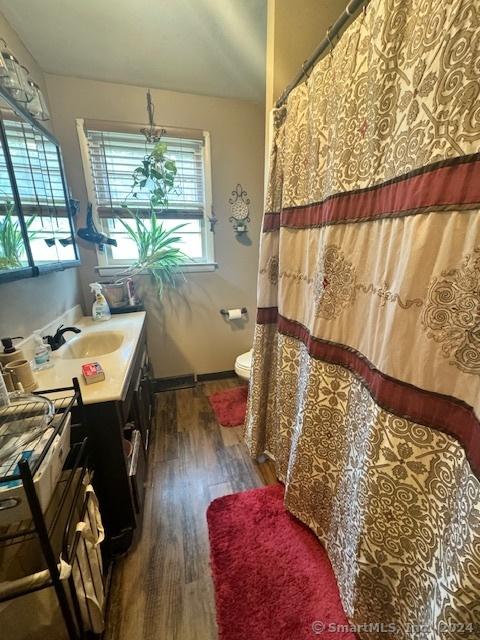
(106, 265)
(34, 267)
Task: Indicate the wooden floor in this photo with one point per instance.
(162, 589)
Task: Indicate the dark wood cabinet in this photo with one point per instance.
(138, 471)
(120, 467)
(144, 401)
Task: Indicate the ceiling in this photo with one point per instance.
(211, 47)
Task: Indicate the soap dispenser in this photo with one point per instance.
(9, 352)
(43, 353)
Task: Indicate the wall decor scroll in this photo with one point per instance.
(239, 202)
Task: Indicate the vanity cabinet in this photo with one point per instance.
(119, 433)
(144, 404)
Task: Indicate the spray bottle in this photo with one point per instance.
(100, 309)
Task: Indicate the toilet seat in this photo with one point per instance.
(243, 365)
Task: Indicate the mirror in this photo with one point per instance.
(13, 255)
(36, 229)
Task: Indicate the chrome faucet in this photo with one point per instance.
(58, 340)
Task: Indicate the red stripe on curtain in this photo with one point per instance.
(267, 315)
(271, 221)
(434, 410)
(444, 185)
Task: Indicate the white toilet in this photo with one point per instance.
(243, 364)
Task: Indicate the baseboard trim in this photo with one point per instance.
(174, 383)
(216, 375)
(188, 381)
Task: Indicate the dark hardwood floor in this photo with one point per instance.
(162, 589)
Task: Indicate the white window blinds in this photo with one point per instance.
(113, 158)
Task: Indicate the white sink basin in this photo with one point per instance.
(94, 344)
(113, 344)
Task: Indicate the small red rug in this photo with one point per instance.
(272, 577)
(230, 406)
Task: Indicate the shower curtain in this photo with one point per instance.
(366, 368)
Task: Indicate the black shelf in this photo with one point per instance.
(59, 520)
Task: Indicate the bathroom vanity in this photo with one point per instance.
(118, 415)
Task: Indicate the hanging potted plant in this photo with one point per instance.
(157, 246)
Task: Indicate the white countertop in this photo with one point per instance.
(116, 364)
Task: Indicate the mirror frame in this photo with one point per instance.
(34, 270)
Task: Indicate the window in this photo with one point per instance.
(111, 156)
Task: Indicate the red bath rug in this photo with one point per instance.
(272, 577)
(230, 406)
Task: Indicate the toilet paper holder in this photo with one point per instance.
(225, 313)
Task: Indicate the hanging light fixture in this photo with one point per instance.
(37, 106)
(13, 80)
(27, 83)
(151, 133)
(3, 66)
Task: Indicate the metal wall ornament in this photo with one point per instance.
(213, 220)
(239, 202)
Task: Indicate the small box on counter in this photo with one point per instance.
(93, 372)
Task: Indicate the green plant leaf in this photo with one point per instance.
(157, 246)
(156, 250)
(12, 244)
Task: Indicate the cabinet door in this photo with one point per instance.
(149, 393)
(141, 418)
(142, 413)
(137, 471)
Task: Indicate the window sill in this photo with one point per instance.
(115, 270)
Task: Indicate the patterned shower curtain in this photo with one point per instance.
(365, 384)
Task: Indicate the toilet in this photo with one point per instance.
(243, 364)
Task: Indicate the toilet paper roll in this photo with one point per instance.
(234, 314)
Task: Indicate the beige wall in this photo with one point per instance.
(294, 30)
(21, 52)
(26, 305)
(187, 334)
